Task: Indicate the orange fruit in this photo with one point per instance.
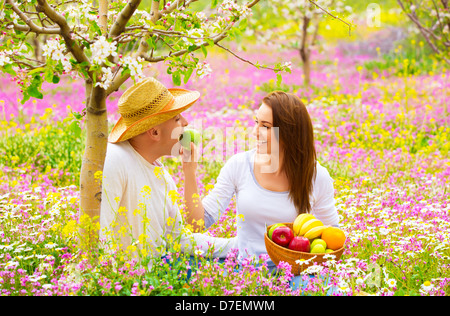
(334, 237)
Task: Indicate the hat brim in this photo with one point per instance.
(183, 99)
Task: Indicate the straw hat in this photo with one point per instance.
(147, 104)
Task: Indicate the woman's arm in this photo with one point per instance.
(324, 207)
(210, 208)
(194, 207)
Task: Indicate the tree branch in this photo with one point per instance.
(333, 16)
(244, 60)
(170, 9)
(117, 83)
(155, 11)
(28, 21)
(71, 45)
(123, 18)
(103, 13)
(425, 32)
(251, 4)
(31, 67)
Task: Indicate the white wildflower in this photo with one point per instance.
(391, 283)
(426, 287)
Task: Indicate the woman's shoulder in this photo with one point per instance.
(238, 164)
(322, 174)
(242, 158)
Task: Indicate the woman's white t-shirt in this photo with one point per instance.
(257, 207)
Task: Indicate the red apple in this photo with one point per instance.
(299, 243)
(282, 236)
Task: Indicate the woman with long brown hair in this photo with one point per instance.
(274, 182)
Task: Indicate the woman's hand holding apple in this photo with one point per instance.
(189, 160)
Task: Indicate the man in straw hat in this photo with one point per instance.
(139, 196)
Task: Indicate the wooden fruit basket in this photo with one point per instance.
(278, 253)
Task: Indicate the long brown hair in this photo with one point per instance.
(296, 138)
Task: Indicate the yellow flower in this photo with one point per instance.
(177, 247)
(174, 196)
(158, 172)
(122, 210)
(98, 174)
(170, 221)
(69, 228)
(55, 227)
(146, 190)
(122, 230)
(131, 248)
(145, 220)
(142, 238)
(200, 222)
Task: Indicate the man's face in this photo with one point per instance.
(170, 134)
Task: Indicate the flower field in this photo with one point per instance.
(383, 134)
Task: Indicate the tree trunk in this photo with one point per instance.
(38, 48)
(306, 64)
(96, 126)
(305, 52)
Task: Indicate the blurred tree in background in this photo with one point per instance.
(432, 19)
(295, 25)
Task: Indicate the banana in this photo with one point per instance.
(309, 225)
(299, 221)
(315, 232)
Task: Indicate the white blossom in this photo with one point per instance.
(203, 69)
(4, 59)
(106, 79)
(446, 29)
(134, 65)
(201, 16)
(102, 49)
(287, 65)
(53, 49)
(198, 34)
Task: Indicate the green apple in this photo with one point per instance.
(188, 136)
(319, 241)
(318, 249)
(273, 228)
(329, 250)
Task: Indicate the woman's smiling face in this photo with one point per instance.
(263, 130)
